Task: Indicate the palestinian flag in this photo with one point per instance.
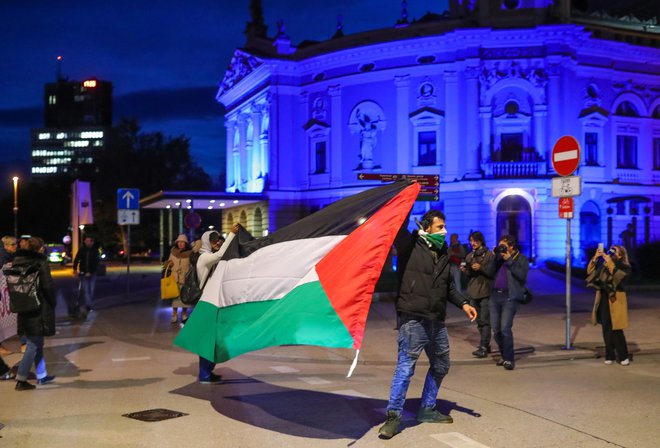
(308, 283)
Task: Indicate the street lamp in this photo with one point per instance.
(15, 179)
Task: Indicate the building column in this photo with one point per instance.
(554, 112)
(229, 153)
(402, 84)
(452, 123)
(335, 136)
(486, 114)
(241, 172)
(305, 155)
(472, 137)
(540, 139)
(255, 158)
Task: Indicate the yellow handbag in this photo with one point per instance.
(168, 287)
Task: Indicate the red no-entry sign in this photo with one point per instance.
(566, 155)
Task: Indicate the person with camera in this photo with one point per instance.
(479, 267)
(426, 287)
(511, 268)
(608, 273)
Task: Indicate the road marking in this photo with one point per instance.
(284, 369)
(350, 393)
(457, 440)
(313, 380)
(566, 155)
(138, 358)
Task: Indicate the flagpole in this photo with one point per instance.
(355, 360)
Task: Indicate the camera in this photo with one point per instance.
(501, 249)
(612, 251)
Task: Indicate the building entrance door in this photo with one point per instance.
(514, 217)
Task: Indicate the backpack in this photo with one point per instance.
(23, 287)
(191, 291)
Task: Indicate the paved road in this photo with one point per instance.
(121, 360)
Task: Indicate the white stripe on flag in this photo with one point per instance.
(280, 267)
(566, 155)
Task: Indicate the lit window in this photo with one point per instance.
(320, 157)
(52, 99)
(44, 135)
(591, 148)
(61, 135)
(427, 148)
(626, 151)
(91, 134)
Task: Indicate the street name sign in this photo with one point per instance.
(566, 155)
(566, 187)
(127, 217)
(128, 199)
(566, 208)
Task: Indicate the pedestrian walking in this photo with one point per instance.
(7, 252)
(38, 324)
(457, 255)
(179, 263)
(608, 273)
(426, 285)
(509, 287)
(480, 271)
(85, 264)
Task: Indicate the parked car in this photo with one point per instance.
(57, 253)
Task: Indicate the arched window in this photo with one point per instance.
(230, 220)
(258, 227)
(243, 219)
(627, 109)
(514, 217)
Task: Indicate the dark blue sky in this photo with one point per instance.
(165, 58)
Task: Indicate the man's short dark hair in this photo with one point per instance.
(510, 240)
(478, 236)
(428, 217)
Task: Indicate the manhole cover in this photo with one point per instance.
(154, 415)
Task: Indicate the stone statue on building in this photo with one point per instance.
(367, 140)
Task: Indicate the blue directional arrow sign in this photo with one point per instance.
(128, 198)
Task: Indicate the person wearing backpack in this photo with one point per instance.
(179, 263)
(213, 248)
(35, 325)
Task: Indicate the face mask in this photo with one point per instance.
(437, 239)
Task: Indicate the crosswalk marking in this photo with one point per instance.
(350, 393)
(137, 358)
(457, 440)
(314, 380)
(284, 369)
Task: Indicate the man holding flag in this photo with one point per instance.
(426, 284)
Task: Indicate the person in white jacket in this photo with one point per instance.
(213, 248)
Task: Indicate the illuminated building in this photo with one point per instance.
(77, 118)
(477, 95)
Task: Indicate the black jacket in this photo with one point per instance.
(480, 282)
(39, 322)
(87, 259)
(425, 283)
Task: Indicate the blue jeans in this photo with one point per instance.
(502, 311)
(87, 287)
(34, 353)
(417, 334)
(205, 368)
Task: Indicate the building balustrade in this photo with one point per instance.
(513, 169)
(629, 176)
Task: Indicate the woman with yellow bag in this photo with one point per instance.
(176, 267)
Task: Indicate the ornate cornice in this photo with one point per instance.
(241, 65)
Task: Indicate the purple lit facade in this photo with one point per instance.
(479, 96)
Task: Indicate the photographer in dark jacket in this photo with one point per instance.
(86, 263)
(35, 325)
(480, 270)
(508, 290)
(426, 286)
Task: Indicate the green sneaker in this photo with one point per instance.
(430, 415)
(391, 426)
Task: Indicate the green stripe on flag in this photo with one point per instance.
(303, 316)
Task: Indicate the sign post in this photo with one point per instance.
(565, 160)
(128, 213)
